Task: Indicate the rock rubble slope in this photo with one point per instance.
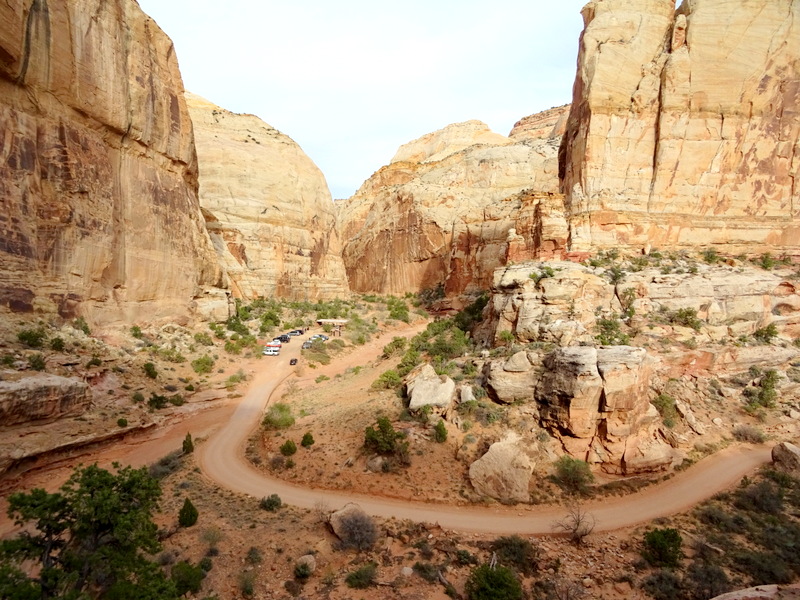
(98, 176)
(267, 206)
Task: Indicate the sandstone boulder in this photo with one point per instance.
(341, 521)
(504, 472)
(310, 562)
(267, 207)
(786, 457)
(425, 388)
(42, 398)
(764, 592)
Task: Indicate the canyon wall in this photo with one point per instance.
(450, 207)
(99, 213)
(685, 126)
(267, 206)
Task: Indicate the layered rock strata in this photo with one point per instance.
(684, 128)
(449, 208)
(98, 177)
(267, 207)
(42, 398)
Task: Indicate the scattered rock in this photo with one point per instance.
(310, 560)
(504, 472)
(786, 457)
(425, 388)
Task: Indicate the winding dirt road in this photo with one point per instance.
(221, 458)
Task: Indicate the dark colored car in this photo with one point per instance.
(293, 361)
(284, 338)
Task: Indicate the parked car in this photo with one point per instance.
(295, 332)
(271, 351)
(306, 345)
(293, 361)
(284, 338)
(319, 336)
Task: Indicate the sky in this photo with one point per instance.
(353, 80)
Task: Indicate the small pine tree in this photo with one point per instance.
(440, 432)
(188, 444)
(188, 514)
(288, 448)
(308, 440)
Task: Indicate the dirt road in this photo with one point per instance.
(221, 458)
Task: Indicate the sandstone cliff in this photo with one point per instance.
(684, 128)
(267, 206)
(98, 176)
(451, 207)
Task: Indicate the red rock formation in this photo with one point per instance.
(98, 177)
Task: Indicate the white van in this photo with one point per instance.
(271, 351)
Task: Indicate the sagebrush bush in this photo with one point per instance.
(363, 577)
(278, 416)
(357, 530)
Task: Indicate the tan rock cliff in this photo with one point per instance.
(684, 128)
(267, 206)
(451, 207)
(98, 177)
(548, 124)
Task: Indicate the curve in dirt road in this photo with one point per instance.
(221, 458)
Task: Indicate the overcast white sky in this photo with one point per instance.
(352, 80)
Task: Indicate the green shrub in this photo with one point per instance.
(138, 397)
(363, 577)
(686, 317)
(308, 440)
(662, 547)
(278, 416)
(384, 439)
(136, 332)
(662, 585)
(710, 256)
(288, 448)
(247, 583)
(271, 503)
(203, 339)
(498, 583)
(33, 338)
(440, 432)
(302, 571)
(57, 344)
(36, 362)
(426, 570)
(514, 551)
(150, 370)
(665, 404)
(188, 444)
(203, 364)
(122, 422)
(388, 380)
(254, 556)
(767, 262)
(188, 514)
(765, 334)
(187, 578)
(762, 567)
(81, 324)
(472, 314)
(395, 347)
(609, 332)
(749, 434)
(572, 475)
(705, 580)
(94, 362)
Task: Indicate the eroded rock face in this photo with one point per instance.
(425, 388)
(692, 142)
(98, 176)
(451, 207)
(42, 398)
(546, 125)
(564, 308)
(267, 206)
(504, 472)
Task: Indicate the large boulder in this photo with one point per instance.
(504, 472)
(42, 398)
(425, 388)
(786, 457)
